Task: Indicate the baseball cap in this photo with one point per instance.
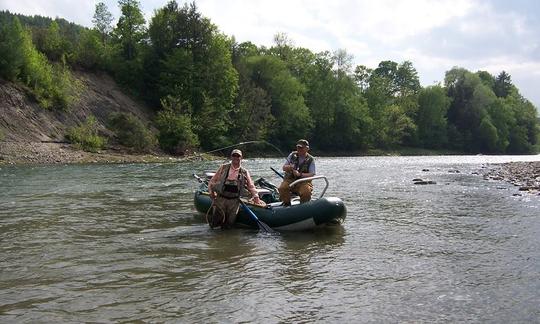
(236, 151)
(302, 143)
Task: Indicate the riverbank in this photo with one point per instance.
(65, 153)
(525, 175)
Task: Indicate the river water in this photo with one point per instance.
(122, 243)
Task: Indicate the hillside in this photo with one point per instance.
(32, 134)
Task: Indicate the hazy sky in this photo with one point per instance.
(435, 35)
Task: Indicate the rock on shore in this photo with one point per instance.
(525, 175)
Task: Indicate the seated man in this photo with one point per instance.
(299, 164)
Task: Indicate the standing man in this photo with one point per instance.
(299, 164)
(226, 187)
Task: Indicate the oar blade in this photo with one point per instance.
(264, 227)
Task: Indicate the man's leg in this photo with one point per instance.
(304, 191)
(232, 211)
(218, 216)
(285, 193)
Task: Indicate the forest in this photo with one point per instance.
(209, 91)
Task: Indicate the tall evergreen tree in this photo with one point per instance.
(503, 85)
(11, 46)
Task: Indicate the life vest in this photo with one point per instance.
(301, 167)
(232, 188)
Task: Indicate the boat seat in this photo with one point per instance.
(209, 175)
(261, 192)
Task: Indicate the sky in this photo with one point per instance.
(435, 35)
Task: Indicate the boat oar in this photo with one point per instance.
(200, 180)
(262, 226)
(278, 173)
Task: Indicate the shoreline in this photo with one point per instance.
(46, 153)
(524, 175)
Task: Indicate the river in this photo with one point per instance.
(123, 243)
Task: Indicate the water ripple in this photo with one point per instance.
(122, 243)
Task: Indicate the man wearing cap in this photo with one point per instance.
(299, 164)
(226, 187)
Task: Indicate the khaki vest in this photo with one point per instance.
(303, 168)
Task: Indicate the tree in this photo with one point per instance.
(342, 62)
(502, 118)
(175, 126)
(131, 132)
(52, 43)
(12, 38)
(91, 53)
(293, 120)
(251, 113)
(102, 21)
(195, 64)
(525, 130)
(393, 89)
(470, 99)
(487, 79)
(130, 28)
(487, 135)
(362, 74)
(283, 46)
(52, 87)
(395, 125)
(503, 85)
(431, 118)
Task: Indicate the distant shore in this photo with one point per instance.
(525, 175)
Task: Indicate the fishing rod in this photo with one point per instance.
(242, 144)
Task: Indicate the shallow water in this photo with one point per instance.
(114, 243)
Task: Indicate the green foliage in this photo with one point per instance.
(128, 73)
(12, 37)
(52, 43)
(130, 28)
(251, 116)
(102, 21)
(293, 120)
(214, 92)
(91, 53)
(131, 132)
(395, 126)
(431, 118)
(503, 85)
(51, 85)
(86, 136)
(488, 136)
(177, 74)
(195, 64)
(175, 127)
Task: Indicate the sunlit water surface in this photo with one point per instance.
(114, 243)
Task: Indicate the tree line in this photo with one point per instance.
(210, 91)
